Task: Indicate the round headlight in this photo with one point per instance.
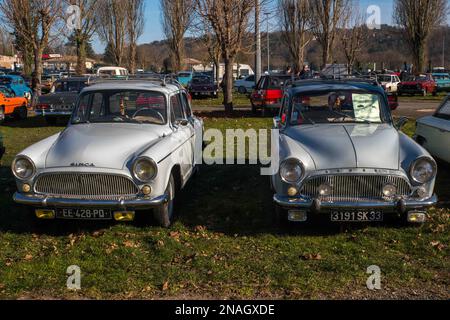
(23, 168)
(144, 169)
(423, 170)
(291, 171)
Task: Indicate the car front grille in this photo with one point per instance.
(354, 187)
(95, 186)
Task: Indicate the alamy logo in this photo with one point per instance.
(373, 17)
(73, 21)
(74, 279)
(374, 281)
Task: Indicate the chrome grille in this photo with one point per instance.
(86, 186)
(355, 187)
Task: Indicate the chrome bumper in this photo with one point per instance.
(43, 201)
(401, 206)
(48, 113)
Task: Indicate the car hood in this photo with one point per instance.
(349, 145)
(102, 145)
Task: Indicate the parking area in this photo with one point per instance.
(224, 244)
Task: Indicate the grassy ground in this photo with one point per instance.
(224, 245)
(239, 100)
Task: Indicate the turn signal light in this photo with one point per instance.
(297, 216)
(417, 217)
(45, 214)
(123, 216)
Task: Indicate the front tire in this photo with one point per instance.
(164, 214)
(22, 113)
(242, 90)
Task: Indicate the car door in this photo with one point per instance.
(184, 133)
(196, 125)
(436, 131)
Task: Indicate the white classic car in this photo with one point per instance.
(129, 147)
(389, 82)
(342, 157)
(433, 132)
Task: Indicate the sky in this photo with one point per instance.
(153, 30)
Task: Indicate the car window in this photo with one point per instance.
(284, 111)
(275, 83)
(177, 108)
(261, 83)
(186, 105)
(336, 107)
(251, 79)
(130, 106)
(444, 111)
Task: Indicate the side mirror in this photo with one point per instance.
(401, 123)
(183, 122)
(277, 122)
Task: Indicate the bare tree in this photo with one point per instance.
(327, 16)
(177, 17)
(229, 19)
(32, 20)
(135, 28)
(353, 36)
(418, 18)
(111, 26)
(295, 26)
(87, 28)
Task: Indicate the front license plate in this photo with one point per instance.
(83, 214)
(357, 216)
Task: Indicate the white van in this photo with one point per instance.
(111, 71)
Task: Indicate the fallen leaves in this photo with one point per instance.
(165, 286)
(437, 245)
(311, 256)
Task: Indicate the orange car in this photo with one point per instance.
(12, 106)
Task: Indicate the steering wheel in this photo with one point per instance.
(157, 113)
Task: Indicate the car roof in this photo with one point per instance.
(132, 85)
(317, 85)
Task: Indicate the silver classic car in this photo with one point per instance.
(129, 147)
(343, 157)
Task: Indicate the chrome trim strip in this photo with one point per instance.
(45, 201)
(306, 203)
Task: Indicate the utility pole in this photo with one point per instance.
(268, 42)
(258, 42)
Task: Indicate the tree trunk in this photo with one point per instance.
(228, 88)
(133, 58)
(81, 56)
(37, 73)
(419, 56)
(27, 62)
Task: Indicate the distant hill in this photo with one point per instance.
(385, 47)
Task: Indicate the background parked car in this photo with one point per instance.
(111, 72)
(12, 106)
(389, 82)
(268, 93)
(442, 81)
(184, 77)
(422, 84)
(203, 86)
(61, 100)
(433, 132)
(17, 84)
(245, 85)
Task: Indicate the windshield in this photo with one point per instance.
(441, 77)
(5, 81)
(384, 78)
(337, 107)
(201, 80)
(184, 75)
(121, 106)
(6, 92)
(69, 86)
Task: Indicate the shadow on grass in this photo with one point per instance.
(34, 122)
(232, 199)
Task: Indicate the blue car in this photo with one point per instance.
(184, 77)
(442, 81)
(17, 85)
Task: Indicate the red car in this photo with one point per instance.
(268, 93)
(421, 84)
